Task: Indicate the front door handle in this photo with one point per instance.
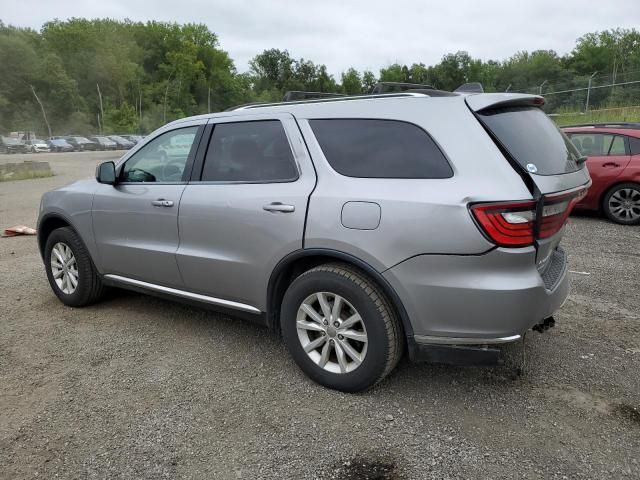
(279, 207)
(161, 202)
(611, 164)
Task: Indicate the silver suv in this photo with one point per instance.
(356, 227)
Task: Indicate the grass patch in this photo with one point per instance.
(9, 177)
(617, 114)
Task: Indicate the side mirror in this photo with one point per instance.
(106, 173)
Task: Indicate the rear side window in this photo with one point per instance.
(532, 139)
(249, 152)
(598, 144)
(367, 148)
(634, 145)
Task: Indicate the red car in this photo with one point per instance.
(613, 160)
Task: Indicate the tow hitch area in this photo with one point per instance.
(545, 325)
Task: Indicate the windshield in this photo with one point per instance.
(532, 139)
(81, 140)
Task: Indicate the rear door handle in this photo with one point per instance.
(610, 164)
(161, 202)
(279, 207)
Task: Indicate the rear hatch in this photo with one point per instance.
(550, 165)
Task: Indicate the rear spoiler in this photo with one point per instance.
(478, 103)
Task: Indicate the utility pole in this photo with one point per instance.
(586, 104)
(540, 87)
(44, 115)
(166, 92)
(101, 108)
(209, 100)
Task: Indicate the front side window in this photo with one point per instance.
(599, 144)
(163, 159)
(370, 148)
(256, 151)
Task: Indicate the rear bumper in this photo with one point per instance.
(484, 299)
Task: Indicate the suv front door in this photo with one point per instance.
(135, 221)
(244, 209)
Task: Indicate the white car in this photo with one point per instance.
(37, 146)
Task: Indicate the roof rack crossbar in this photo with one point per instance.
(301, 95)
(382, 87)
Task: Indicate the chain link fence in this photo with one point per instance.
(608, 95)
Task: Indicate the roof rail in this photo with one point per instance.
(382, 87)
(301, 95)
(632, 125)
(329, 99)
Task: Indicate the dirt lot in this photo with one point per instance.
(137, 387)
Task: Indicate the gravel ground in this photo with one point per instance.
(137, 387)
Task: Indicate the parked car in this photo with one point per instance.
(60, 145)
(359, 227)
(12, 145)
(122, 143)
(104, 143)
(36, 145)
(132, 138)
(613, 160)
(81, 143)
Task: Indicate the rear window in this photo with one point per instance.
(368, 148)
(532, 139)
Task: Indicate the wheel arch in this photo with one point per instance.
(48, 224)
(613, 185)
(299, 261)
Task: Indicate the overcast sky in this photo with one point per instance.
(366, 35)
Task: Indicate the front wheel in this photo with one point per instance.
(70, 271)
(622, 204)
(340, 329)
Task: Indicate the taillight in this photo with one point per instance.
(513, 224)
(507, 224)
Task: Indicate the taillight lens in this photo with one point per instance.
(513, 224)
(507, 224)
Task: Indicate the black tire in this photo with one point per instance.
(606, 208)
(385, 336)
(90, 287)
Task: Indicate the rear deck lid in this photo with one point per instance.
(551, 166)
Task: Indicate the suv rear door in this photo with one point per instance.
(547, 160)
(607, 157)
(245, 207)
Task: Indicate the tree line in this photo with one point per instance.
(85, 76)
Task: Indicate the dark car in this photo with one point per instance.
(104, 143)
(123, 143)
(133, 138)
(12, 145)
(81, 143)
(613, 160)
(60, 145)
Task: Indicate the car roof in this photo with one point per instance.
(632, 132)
(360, 104)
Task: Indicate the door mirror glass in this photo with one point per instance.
(106, 173)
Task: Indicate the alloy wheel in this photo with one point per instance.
(64, 268)
(332, 332)
(624, 204)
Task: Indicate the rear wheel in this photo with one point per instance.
(340, 328)
(70, 271)
(622, 204)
